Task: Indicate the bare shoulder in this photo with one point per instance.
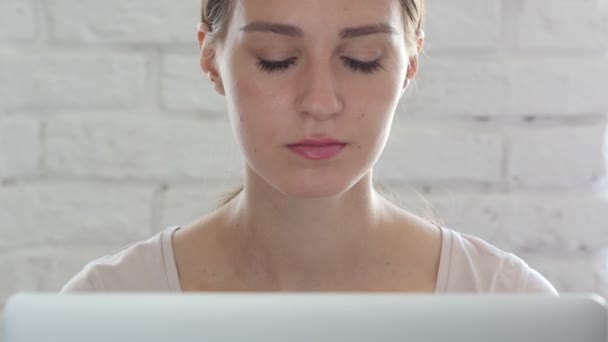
(422, 235)
(204, 255)
(416, 250)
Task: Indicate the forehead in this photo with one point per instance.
(326, 15)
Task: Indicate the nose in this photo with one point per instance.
(317, 92)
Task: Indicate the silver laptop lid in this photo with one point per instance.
(239, 317)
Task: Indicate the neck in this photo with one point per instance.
(292, 243)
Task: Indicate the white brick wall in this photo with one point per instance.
(182, 89)
(141, 148)
(17, 21)
(537, 155)
(522, 221)
(557, 24)
(427, 152)
(56, 212)
(40, 81)
(21, 132)
(463, 25)
(573, 271)
(138, 22)
(109, 132)
(509, 86)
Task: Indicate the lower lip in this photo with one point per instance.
(317, 152)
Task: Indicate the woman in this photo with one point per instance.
(311, 87)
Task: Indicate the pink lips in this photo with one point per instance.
(318, 149)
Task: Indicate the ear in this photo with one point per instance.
(412, 67)
(208, 59)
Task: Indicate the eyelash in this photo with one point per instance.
(364, 67)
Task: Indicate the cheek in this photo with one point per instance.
(253, 92)
(259, 111)
(257, 104)
(379, 90)
(385, 91)
(373, 110)
(375, 104)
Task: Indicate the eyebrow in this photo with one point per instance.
(360, 31)
(296, 32)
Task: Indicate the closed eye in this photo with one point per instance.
(272, 66)
(364, 67)
(353, 64)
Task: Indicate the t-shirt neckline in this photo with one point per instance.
(172, 276)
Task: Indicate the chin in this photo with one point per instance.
(310, 183)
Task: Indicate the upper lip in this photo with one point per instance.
(319, 142)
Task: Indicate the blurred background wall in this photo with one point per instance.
(109, 132)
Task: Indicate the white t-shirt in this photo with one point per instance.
(467, 264)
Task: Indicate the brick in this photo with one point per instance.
(519, 222)
(451, 87)
(71, 80)
(19, 147)
(428, 151)
(557, 156)
(18, 18)
(560, 25)
(15, 277)
(573, 273)
(142, 150)
(531, 86)
(47, 213)
(185, 87)
(183, 204)
(116, 21)
(60, 264)
(463, 25)
(557, 86)
(45, 269)
(469, 213)
(566, 223)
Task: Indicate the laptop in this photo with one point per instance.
(299, 317)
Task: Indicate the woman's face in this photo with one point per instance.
(293, 70)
